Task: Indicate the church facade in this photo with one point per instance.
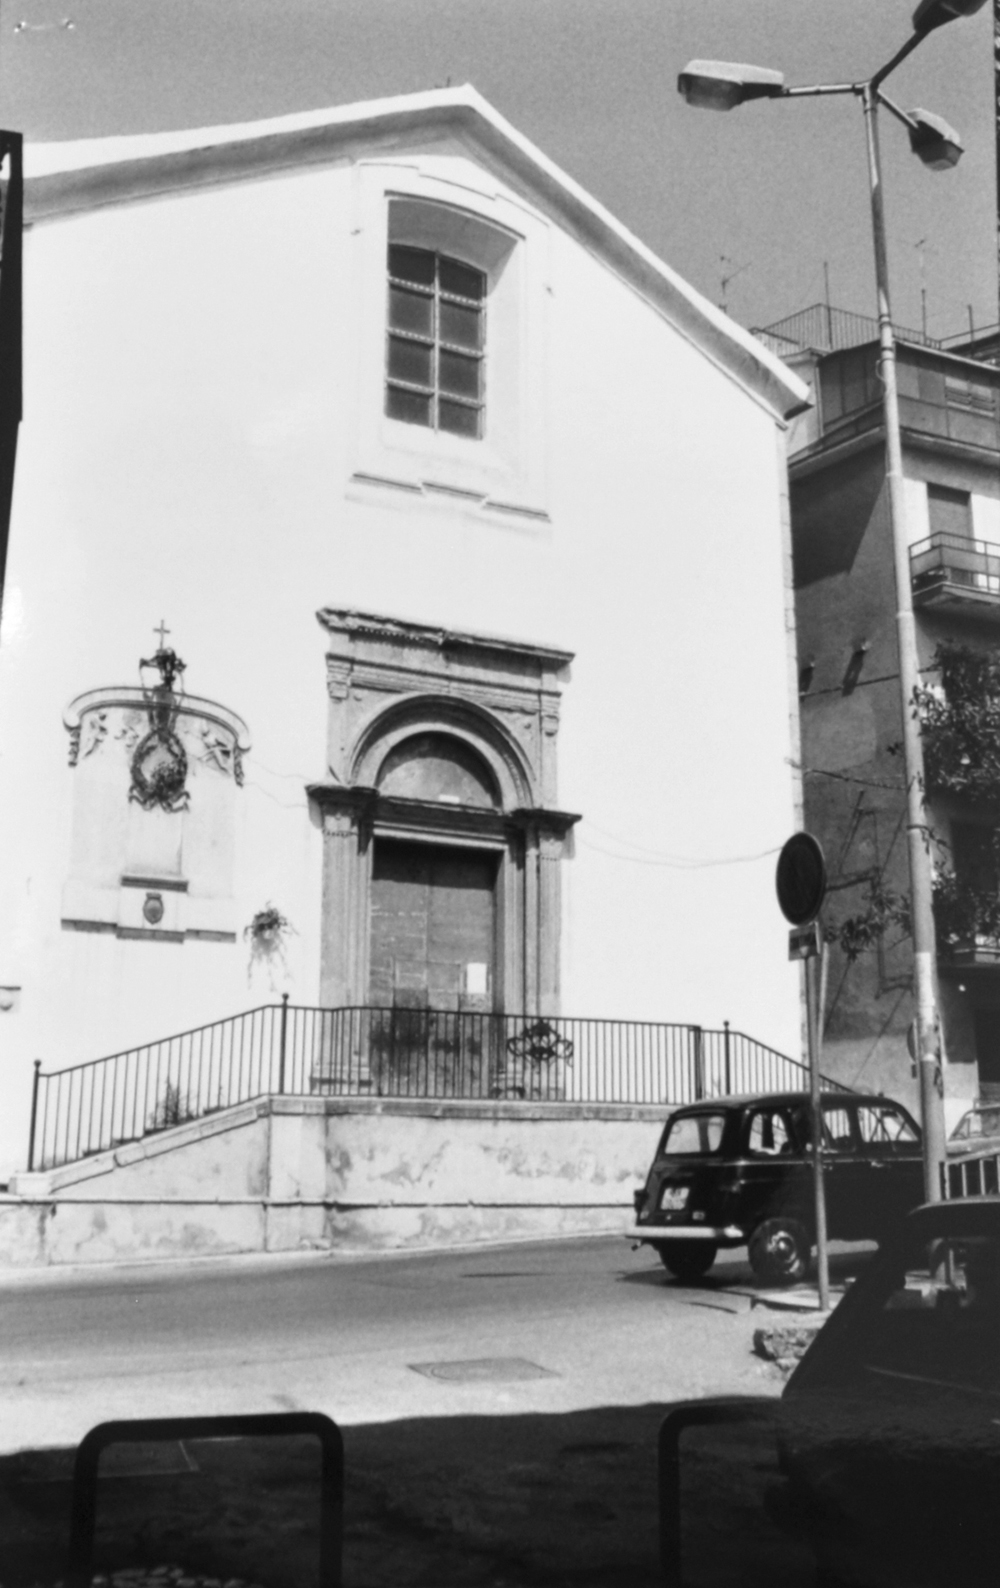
(398, 609)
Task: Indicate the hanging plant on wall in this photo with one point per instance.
(267, 936)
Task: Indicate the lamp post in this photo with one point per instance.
(722, 85)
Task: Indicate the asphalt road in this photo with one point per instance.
(342, 1336)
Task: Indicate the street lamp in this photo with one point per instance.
(722, 85)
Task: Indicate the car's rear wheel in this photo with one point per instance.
(779, 1251)
(687, 1259)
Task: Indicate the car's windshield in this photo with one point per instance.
(977, 1122)
(693, 1133)
(879, 1124)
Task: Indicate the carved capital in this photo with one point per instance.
(344, 809)
(543, 823)
(338, 676)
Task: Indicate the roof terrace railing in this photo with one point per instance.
(829, 330)
(824, 329)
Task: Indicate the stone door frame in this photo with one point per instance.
(387, 681)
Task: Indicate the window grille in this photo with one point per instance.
(435, 353)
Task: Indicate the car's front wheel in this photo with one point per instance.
(779, 1251)
(687, 1259)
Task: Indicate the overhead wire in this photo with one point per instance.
(652, 857)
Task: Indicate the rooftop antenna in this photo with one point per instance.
(829, 311)
(920, 247)
(725, 278)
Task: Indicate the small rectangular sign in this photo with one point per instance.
(804, 942)
(476, 980)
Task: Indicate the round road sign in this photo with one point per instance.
(801, 879)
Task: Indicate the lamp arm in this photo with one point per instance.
(900, 55)
(899, 114)
(810, 90)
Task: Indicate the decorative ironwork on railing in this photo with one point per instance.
(378, 1052)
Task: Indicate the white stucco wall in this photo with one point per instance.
(292, 1174)
(196, 370)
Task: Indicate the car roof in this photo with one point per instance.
(741, 1099)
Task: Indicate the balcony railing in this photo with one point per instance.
(398, 1053)
(952, 573)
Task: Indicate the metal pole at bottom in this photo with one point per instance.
(921, 887)
(284, 1032)
(819, 1193)
(34, 1116)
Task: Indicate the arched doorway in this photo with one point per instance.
(433, 918)
(442, 841)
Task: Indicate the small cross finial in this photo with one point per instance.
(162, 631)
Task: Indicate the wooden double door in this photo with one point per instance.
(433, 927)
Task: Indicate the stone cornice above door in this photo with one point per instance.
(368, 625)
(387, 677)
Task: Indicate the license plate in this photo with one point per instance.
(673, 1198)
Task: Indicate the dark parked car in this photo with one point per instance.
(734, 1171)
(890, 1434)
(888, 1431)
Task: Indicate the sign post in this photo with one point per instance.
(801, 886)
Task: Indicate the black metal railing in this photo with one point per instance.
(829, 330)
(972, 1175)
(378, 1052)
(944, 560)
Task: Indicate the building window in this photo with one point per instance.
(435, 351)
(949, 511)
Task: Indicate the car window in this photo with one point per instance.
(879, 1124)
(836, 1128)
(693, 1133)
(769, 1133)
(941, 1329)
(837, 1135)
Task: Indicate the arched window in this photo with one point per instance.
(435, 358)
(436, 767)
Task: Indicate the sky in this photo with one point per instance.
(767, 194)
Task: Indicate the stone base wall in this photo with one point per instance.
(288, 1174)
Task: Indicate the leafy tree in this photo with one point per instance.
(959, 717)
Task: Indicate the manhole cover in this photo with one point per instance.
(483, 1369)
